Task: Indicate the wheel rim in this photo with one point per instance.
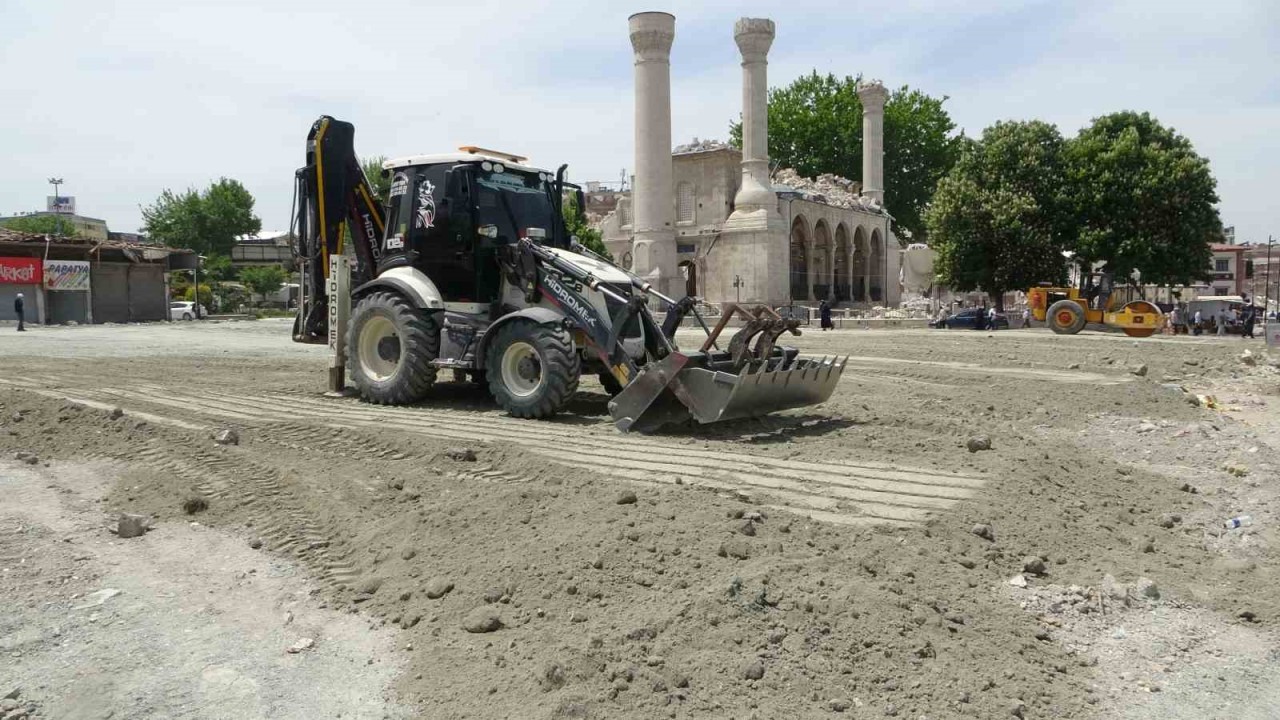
(379, 348)
(521, 369)
(1065, 318)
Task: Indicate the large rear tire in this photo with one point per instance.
(1066, 317)
(533, 370)
(390, 346)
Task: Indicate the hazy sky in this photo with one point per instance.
(123, 99)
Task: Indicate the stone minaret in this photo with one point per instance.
(654, 256)
(873, 96)
(754, 244)
(754, 37)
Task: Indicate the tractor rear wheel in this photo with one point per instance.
(1066, 317)
(533, 369)
(390, 346)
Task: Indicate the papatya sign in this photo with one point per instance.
(21, 271)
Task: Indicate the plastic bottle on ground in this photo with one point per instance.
(1237, 522)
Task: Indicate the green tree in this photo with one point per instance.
(264, 280)
(373, 172)
(207, 222)
(41, 225)
(217, 268)
(815, 127)
(1001, 218)
(206, 295)
(576, 222)
(1145, 199)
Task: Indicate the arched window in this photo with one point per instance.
(684, 202)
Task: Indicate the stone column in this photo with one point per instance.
(755, 241)
(873, 96)
(653, 205)
(754, 37)
(809, 271)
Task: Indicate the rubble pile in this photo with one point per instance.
(700, 146)
(828, 189)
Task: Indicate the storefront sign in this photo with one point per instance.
(20, 271)
(66, 275)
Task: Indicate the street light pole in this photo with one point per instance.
(57, 206)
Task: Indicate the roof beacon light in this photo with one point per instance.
(509, 157)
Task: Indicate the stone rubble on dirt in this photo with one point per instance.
(116, 413)
(130, 525)
(301, 645)
(227, 436)
(27, 457)
(1140, 371)
(460, 454)
(483, 619)
(626, 497)
(978, 443)
(984, 531)
(437, 588)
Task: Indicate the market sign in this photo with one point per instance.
(66, 275)
(20, 271)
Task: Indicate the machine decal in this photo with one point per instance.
(426, 205)
(395, 242)
(399, 185)
(569, 301)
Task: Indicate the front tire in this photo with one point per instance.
(1066, 317)
(390, 346)
(533, 370)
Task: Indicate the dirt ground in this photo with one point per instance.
(849, 560)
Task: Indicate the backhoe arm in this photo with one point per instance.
(335, 205)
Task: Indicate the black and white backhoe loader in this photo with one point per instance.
(467, 266)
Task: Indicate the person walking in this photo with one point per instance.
(1198, 320)
(991, 318)
(1221, 322)
(18, 307)
(1248, 318)
(824, 311)
(1026, 317)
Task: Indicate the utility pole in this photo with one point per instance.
(57, 206)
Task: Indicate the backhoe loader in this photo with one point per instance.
(467, 266)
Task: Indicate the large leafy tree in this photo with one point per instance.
(815, 127)
(41, 225)
(1146, 201)
(576, 223)
(264, 280)
(372, 167)
(207, 221)
(1002, 216)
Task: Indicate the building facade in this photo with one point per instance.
(79, 280)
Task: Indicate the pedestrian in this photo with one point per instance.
(1026, 317)
(1250, 317)
(824, 311)
(18, 307)
(1221, 322)
(1199, 321)
(1175, 319)
(991, 318)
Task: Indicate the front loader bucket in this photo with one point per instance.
(673, 390)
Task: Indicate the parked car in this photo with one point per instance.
(969, 318)
(182, 310)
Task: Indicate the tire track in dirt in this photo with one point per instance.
(850, 493)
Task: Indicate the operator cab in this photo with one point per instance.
(453, 216)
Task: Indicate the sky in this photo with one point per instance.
(124, 99)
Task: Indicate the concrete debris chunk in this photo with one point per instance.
(460, 454)
(984, 531)
(437, 588)
(1248, 358)
(227, 436)
(301, 646)
(626, 497)
(131, 526)
(1140, 370)
(484, 619)
(978, 443)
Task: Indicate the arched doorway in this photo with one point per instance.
(877, 266)
(859, 265)
(842, 263)
(689, 271)
(799, 259)
(820, 263)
